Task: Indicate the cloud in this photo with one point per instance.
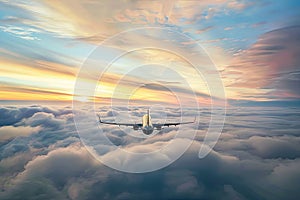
(200, 31)
(8, 132)
(44, 119)
(63, 169)
(11, 115)
(249, 160)
(94, 21)
(39, 127)
(272, 148)
(76, 19)
(269, 67)
(25, 34)
(285, 177)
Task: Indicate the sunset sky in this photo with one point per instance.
(254, 45)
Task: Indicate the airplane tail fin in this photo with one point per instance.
(148, 121)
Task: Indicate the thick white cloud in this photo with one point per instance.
(8, 132)
(247, 163)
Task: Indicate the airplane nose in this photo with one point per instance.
(147, 130)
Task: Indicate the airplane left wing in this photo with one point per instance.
(120, 124)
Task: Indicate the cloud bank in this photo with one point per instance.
(251, 160)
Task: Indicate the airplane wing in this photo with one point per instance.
(119, 124)
(172, 124)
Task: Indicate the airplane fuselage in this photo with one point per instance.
(147, 127)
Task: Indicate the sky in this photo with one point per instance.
(252, 47)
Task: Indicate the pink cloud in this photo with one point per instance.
(271, 64)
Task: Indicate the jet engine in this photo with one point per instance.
(135, 127)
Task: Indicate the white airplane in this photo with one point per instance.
(146, 126)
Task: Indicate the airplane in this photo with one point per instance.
(146, 126)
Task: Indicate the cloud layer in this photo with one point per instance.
(257, 157)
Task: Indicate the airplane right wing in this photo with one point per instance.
(172, 124)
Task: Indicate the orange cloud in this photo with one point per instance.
(97, 20)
